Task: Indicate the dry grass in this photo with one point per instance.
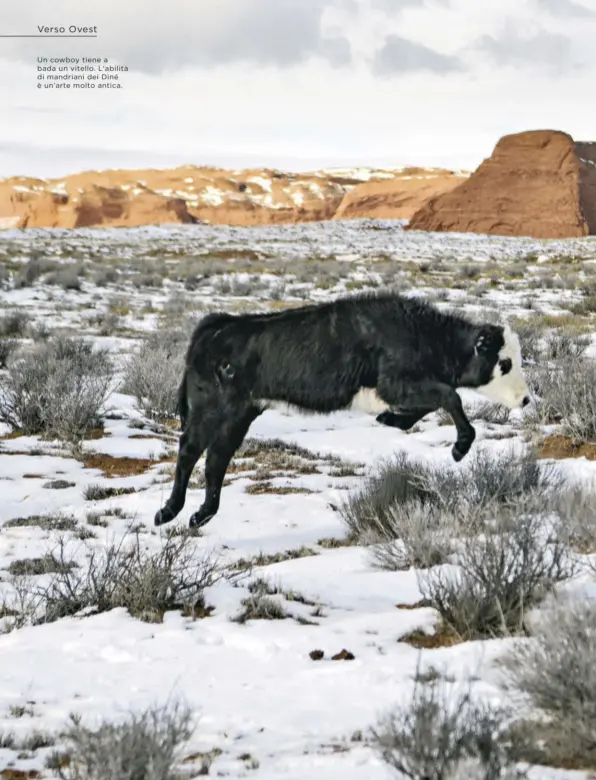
(266, 488)
(114, 466)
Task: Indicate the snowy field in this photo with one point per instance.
(263, 707)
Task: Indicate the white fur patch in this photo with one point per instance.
(280, 406)
(367, 400)
(507, 389)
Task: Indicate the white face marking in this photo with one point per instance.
(367, 400)
(508, 389)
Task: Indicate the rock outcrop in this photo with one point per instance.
(398, 197)
(538, 183)
(122, 198)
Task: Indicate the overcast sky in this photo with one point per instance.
(296, 84)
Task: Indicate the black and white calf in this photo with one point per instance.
(397, 358)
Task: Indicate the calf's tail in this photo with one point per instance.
(183, 402)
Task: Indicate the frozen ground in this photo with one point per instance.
(262, 704)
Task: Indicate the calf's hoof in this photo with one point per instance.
(200, 519)
(458, 452)
(461, 447)
(165, 515)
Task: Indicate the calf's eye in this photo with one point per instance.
(505, 365)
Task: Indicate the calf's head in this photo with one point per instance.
(495, 370)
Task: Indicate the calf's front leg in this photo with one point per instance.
(431, 395)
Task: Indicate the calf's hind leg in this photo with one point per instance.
(405, 418)
(219, 454)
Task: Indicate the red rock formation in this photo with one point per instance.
(538, 183)
(119, 198)
(398, 197)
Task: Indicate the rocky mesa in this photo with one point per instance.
(539, 183)
(129, 198)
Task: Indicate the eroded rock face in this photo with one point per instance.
(398, 197)
(538, 183)
(120, 198)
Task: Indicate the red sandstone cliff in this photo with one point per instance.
(538, 183)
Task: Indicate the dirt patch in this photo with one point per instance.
(113, 466)
(261, 488)
(264, 559)
(443, 637)
(96, 433)
(57, 522)
(561, 447)
(331, 543)
(33, 476)
(11, 435)
(417, 605)
(19, 774)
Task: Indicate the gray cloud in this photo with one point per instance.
(400, 55)
(183, 33)
(550, 51)
(394, 6)
(565, 8)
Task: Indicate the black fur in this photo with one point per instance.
(317, 358)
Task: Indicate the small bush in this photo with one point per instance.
(259, 606)
(530, 334)
(14, 324)
(145, 746)
(576, 509)
(442, 734)
(31, 567)
(566, 393)
(502, 574)
(154, 373)
(108, 323)
(58, 389)
(412, 509)
(105, 276)
(416, 536)
(369, 514)
(33, 269)
(490, 413)
(54, 522)
(126, 575)
(505, 477)
(148, 280)
(68, 278)
(561, 345)
(4, 277)
(96, 492)
(555, 673)
(7, 348)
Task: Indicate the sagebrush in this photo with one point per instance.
(58, 388)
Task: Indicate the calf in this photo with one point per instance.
(395, 357)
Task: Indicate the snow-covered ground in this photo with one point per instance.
(262, 704)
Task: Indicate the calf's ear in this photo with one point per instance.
(489, 339)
